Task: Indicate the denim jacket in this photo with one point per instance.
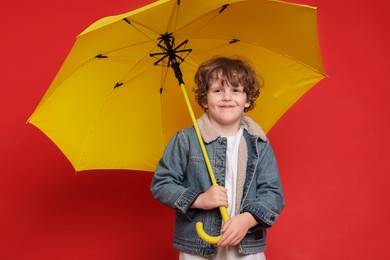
(181, 175)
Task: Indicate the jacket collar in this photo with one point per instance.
(209, 134)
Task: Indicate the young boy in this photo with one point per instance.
(243, 163)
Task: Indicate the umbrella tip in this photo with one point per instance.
(100, 56)
(118, 84)
(223, 8)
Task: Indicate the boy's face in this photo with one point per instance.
(225, 103)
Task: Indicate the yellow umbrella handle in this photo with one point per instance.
(206, 237)
(225, 216)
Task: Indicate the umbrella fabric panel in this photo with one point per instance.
(128, 131)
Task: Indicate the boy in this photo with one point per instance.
(243, 163)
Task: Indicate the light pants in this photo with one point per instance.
(224, 253)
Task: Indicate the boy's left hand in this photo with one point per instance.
(235, 229)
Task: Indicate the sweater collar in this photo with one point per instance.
(209, 134)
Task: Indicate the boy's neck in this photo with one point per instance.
(226, 130)
(229, 132)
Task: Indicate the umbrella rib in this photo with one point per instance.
(219, 10)
(130, 69)
(106, 53)
(134, 23)
(91, 131)
(287, 56)
(177, 16)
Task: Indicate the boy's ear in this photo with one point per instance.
(247, 104)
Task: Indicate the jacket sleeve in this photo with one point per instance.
(269, 200)
(167, 183)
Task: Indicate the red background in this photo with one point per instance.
(332, 147)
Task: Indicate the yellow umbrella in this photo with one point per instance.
(115, 102)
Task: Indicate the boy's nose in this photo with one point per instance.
(226, 96)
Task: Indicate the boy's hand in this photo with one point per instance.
(236, 228)
(214, 197)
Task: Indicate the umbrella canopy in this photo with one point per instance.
(115, 102)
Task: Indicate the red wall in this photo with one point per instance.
(332, 147)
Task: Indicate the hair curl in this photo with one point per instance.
(236, 71)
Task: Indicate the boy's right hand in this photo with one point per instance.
(214, 197)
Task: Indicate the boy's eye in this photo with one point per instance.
(237, 90)
(221, 90)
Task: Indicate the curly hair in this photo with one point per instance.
(236, 71)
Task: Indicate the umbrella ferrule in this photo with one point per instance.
(223, 8)
(101, 56)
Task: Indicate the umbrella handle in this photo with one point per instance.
(206, 237)
(225, 216)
